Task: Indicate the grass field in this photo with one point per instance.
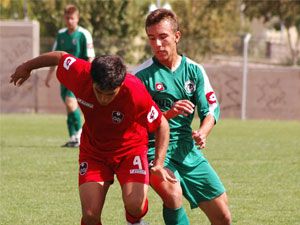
(258, 161)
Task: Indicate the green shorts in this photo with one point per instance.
(64, 92)
(198, 179)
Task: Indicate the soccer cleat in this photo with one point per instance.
(74, 142)
(71, 144)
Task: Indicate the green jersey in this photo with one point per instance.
(189, 81)
(79, 43)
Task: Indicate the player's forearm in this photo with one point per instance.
(207, 125)
(44, 60)
(162, 136)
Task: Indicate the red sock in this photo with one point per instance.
(134, 219)
(82, 223)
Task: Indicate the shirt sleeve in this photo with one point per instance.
(205, 96)
(88, 44)
(70, 72)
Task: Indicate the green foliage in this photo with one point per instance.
(278, 13)
(258, 161)
(208, 27)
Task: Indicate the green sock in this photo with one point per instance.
(175, 216)
(74, 122)
(77, 119)
(70, 124)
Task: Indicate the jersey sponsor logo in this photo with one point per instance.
(159, 87)
(83, 168)
(152, 115)
(90, 105)
(164, 103)
(137, 171)
(68, 62)
(189, 86)
(211, 97)
(117, 117)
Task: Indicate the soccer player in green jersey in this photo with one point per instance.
(77, 41)
(179, 86)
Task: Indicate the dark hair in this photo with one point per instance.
(161, 14)
(70, 9)
(108, 72)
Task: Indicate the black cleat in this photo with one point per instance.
(71, 144)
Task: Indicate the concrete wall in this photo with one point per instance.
(273, 92)
(19, 41)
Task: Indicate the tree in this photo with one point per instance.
(208, 26)
(285, 12)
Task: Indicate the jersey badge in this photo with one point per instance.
(117, 117)
(189, 86)
(83, 168)
(211, 97)
(152, 115)
(74, 41)
(68, 62)
(159, 87)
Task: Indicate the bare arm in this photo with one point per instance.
(202, 133)
(181, 107)
(162, 136)
(23, 71)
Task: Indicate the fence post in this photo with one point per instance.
(245, 75)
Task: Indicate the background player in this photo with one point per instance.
(178, 84)
(77, 41)
(118, 114)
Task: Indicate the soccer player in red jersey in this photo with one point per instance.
(118, 114)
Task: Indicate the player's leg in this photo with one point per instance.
(92, 196)
(95, 178)
(74, 123)
(202, 187)
(135, 201)
(217, 210)
(133, 175)
(171, 195)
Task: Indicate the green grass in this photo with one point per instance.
(258, 161)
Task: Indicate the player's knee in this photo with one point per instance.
(172, 199)
(90, 218)
(226, 218)
(134, 207)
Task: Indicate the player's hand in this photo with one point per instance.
(181, 107)
(161, 172)
(199, 138)
(20, 75)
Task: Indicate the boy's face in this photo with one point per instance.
(105, 97)
(163, 40)
(71, 21)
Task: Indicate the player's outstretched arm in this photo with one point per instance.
(23, 71)
(161, 145)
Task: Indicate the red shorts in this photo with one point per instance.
(129, 168)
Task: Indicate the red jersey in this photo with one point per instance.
(120, 126)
